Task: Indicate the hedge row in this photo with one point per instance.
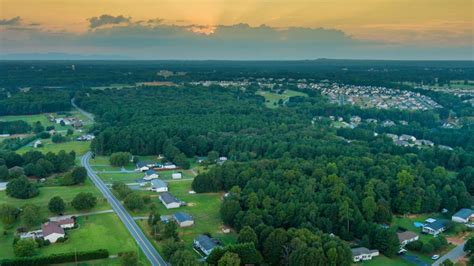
(57, 258)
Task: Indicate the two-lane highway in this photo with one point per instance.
(143, 242)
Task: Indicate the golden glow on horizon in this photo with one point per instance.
(387, 20)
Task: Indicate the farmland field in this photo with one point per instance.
(272, 99)
(80, 147)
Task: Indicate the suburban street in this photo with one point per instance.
(454, 255)
(143, 242)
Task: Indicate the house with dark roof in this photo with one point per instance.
(406, 237)
(142, 167)
(150, 174)
(169, 200)
(183, 219)
(158, 185)
(434, 228)
(205, 244)
(363, 254)
(52, 231)
(463, 216)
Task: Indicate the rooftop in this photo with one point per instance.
(407, 235)
(464, 213)
(158, 183)
(206, 242)
(51, 228)
(362, 250)
(168, 198)
(182, 217)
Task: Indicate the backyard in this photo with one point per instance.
(272, 99)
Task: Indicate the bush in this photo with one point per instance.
(57, 258)
(58, 138)
(415, 245)
(21, 188)
(427, 248)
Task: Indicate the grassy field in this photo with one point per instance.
(80, 147)
(203, 207)
(271, 99)
(67, 193)
(43, 118)
(95, 232)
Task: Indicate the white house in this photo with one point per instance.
(169, 201)
(158, 185)
(362, 254)
(169, 165)
(176, 176)
(37, 144)
(205, 244)
(183, 219)
(66, 223)
(407, 237)
(52, 231)
(142, 167)
(463, 216)
(434, 227)
(150, 174)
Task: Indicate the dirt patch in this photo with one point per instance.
(191, 204)
(455, 240)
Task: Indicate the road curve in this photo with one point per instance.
(86, 114)
(143, 242)
(454, 255)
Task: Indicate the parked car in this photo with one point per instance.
(435, 257)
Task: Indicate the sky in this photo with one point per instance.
(238, 29)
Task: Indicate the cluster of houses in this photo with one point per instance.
(430, 226)
(67, 121)
(405, 140)
(52, 230)
(145, 166)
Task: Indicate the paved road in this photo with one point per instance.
(143, 242)
(454, 255)
(87, 114)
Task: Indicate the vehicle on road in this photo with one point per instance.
(435, 257)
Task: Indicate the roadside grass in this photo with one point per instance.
(95, 232)
(100, 163)
(43, 118)
(67, 193)
(80, 147)
(119, 177)
(6, 242)
(385, 261)
(271, 98)
(204, 208)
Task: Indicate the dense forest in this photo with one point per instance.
(305, 188)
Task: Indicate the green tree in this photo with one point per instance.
(120, 158)
(134, 201)
(84, 201)
(369, 207)
(38, 127)
(229, 259)
(183, 258)
(79, 174)
(246, 235)
(56, 205)
(170, 246)
(229, 210)
(170, 231)
(129, 259)
(4, 173)
(21, 188)
(8, 214)
(25, 248)
(469, 246)
(31, 215)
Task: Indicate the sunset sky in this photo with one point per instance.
(240, 29)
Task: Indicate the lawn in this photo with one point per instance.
(96, 232)
(385, 261)
(67, 193)
(272, 99)
(203, 207)
(43, 118)
(120, 177)
(80, 147)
